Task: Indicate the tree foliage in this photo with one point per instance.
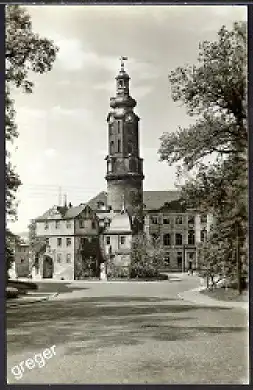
(215, 91)
(147, 257)
(25, 52)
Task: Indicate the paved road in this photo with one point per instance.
(129, 333)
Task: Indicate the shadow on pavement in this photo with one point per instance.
(88, 324)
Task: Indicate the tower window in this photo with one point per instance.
(120, 83)
(130, 147)
(132, 166)
(108, 241)
(111, 147)
(118, 127)
(110, 130)
(119, 146)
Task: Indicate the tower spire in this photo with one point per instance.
(122, 64)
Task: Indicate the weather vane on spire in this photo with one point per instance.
(122, 59)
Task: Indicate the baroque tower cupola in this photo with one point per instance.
(124, 165)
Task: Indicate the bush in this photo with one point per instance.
(114, 271)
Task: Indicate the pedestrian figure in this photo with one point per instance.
(190, 270)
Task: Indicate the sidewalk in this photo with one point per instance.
(201, 299)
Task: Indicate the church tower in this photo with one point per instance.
(124, 166)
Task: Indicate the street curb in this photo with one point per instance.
(211, 302)
(44, 299)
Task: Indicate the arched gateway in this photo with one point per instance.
(48, 267)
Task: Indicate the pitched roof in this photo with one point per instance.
(119, 223)
(100, 197)
(154, 200)
(72, 212)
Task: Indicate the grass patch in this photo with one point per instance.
(229, 295)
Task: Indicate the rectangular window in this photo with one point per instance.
(154, 220)
(59, 241)
(179, 239)
(203, 218)
(118, 127)
(68, 258)
(119, 146)
(68, 241)
(47, 241)
(68, 224)
(57, 224)
(46, 225)
(203, 235)
(81, 223)
(179, 220)
(191, 220)
(58, 257)
(122, 240)
(166, 221)
(108, 241)
(191, 237)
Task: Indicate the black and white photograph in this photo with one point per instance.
(126, 241)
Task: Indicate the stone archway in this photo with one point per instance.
(48, 267)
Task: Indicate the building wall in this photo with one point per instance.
(178, 255)
(64, 227)
(115, 244)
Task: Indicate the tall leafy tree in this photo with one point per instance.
(215, 91)
(25, 52)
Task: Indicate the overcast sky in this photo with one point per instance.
(62, 125)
